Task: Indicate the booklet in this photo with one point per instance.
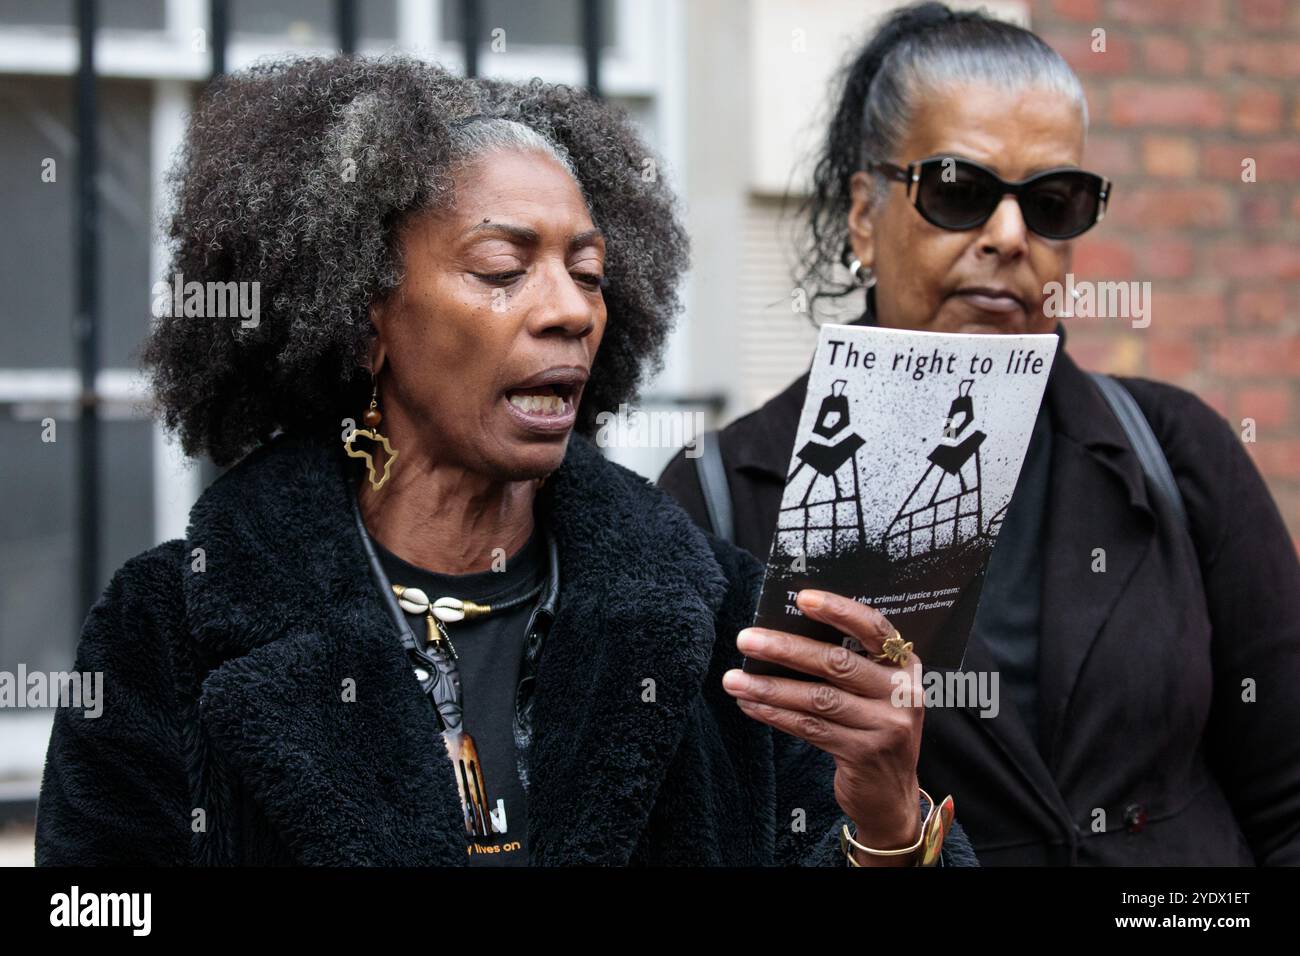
(907, 453)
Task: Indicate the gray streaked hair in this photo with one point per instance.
(479, 136)
(915, 50)
(956, 53)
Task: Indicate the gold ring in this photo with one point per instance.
(895, 651)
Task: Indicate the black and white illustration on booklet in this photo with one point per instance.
(906, 457)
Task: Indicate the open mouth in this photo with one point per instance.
(547, 400)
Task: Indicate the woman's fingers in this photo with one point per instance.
(849, 688)
(891, 737)
(833, 663)
(834, 738)
(828, 661)
(847, 684)
(814, 698)
(860, 621)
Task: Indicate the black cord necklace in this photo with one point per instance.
(448, 610)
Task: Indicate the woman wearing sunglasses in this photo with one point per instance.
(1145, 633)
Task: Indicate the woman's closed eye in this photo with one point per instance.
(587, 268)
(592, 280)
(499, 278)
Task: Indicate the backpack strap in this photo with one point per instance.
(713, 481)
(1138, 431)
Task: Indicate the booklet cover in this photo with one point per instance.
(908, 451)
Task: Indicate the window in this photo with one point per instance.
(311, 22)
(540, 23)
(37, 246)
(113, 14)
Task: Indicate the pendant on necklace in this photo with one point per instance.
(438, 637)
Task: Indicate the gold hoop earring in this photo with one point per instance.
(372, 418)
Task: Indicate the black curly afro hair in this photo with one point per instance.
(298, 174)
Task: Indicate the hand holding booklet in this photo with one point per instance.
(906, 457)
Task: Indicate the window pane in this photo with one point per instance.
(378, 19)
(39, 613)
(311, 21)
(38, 267)
(113, 14)
(541, 23)
(125, 222)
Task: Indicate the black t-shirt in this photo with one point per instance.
(489, 651)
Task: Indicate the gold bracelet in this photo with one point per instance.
(846, 840)
(926, 849)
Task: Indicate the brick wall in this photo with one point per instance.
(1183, 93)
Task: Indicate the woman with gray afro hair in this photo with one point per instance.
(420, 621)
(295, 175)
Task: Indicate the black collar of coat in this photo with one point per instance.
(279, 528)
(308, 697)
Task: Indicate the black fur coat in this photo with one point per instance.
(225, 735)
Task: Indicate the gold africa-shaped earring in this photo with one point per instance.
(372, 418)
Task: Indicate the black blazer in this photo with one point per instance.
(1142, 669)
(226, 737)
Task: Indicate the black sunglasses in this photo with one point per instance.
(959, 194)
